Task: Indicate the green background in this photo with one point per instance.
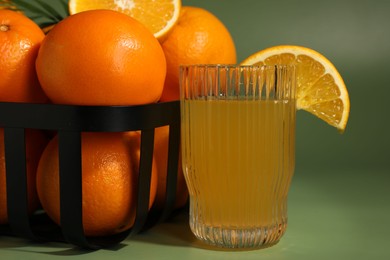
(355, 36)
(339, 202)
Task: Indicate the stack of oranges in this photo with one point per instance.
(103, 57)
(128, 53)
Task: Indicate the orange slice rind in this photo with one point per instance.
(320, 87)
(159, 16)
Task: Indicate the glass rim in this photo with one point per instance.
(235, 66)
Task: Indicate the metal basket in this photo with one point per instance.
(69, 121)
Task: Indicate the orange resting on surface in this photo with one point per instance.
(35, 143)
(198, 37)
(20, 39)
(101, 57)
(110, 164)
(161, 142)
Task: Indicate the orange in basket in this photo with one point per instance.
(35, 143)
(20, 39)
(101, 57)
(198, 37)
(110, 164)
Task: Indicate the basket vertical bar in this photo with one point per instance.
(16, 181)
(71, 188)
(144, 178)
(172, 169)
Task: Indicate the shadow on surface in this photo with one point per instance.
(176, 232)
(52, 242)
(48, 248)
(13, 243)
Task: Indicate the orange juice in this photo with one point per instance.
(238, 160)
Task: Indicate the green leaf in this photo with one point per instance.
(41, 12)
(50, 9)
(35, 7)
(6, 4)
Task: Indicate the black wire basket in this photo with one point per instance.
(69, 121)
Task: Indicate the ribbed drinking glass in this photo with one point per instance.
(238, 151)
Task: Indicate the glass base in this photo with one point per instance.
(234, 238)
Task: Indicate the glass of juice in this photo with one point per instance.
(238, 151)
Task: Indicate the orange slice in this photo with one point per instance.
(159, 16)
(320, 88)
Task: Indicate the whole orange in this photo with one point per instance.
(161, 141)
(20, 39)
(199, 37)
(101, 57)
(110, 164)
(35, 143)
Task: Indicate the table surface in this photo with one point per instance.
(333, 214)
